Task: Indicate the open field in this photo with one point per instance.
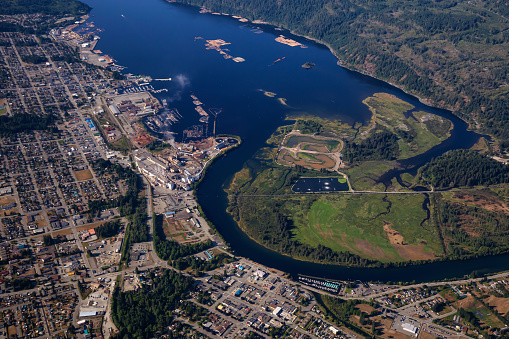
(89, 226)
(372, 226)
(83, 175)
(121, 145)
(501, 305)
(64, 232)
(173, 230)
(365, 175)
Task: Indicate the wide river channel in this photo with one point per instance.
(153, 37)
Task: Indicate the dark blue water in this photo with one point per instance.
(155, 38)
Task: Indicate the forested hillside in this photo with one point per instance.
(53, 7)
(452, 53)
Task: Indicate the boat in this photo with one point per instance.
(278, 60)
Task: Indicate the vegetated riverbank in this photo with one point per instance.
(366, 230)
(204, 171)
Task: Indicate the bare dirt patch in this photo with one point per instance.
(173, 230)
(394, 237)
(365, 308)
(407, 252)
(89, 226)
(83, 175)
(143, 139)
(6, 200)
(426, 335)
(500, 304)
(488, 202)
(203, 144)
(65, 232)
(414, 252)
(41, 223)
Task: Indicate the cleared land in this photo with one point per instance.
(501, 305)
(173, 230)
(83, 175)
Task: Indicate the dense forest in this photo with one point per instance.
(464, 168)
(378, 146)
(108, 229)
(308, 126)
(51, 7)
(25, 122)
(141, 313)
(454, 53)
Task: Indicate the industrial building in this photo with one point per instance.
(152, 168)
(114, 109)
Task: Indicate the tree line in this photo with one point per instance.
(170, 249)
(26, 122)
(142, 313)
(460, 168)
(381, 145)
(108, 229)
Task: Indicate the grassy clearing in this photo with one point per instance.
(364, 176)
(355, 224)
(122, 145)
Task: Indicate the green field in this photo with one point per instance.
(295, 140)
(355, 223)
(364, 176)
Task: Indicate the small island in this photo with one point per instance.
(308, 65)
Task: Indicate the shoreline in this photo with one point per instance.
(422, 100)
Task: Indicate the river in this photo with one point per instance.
(153, 37)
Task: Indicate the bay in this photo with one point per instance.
(155, 38)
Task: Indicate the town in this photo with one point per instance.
(96, 206)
